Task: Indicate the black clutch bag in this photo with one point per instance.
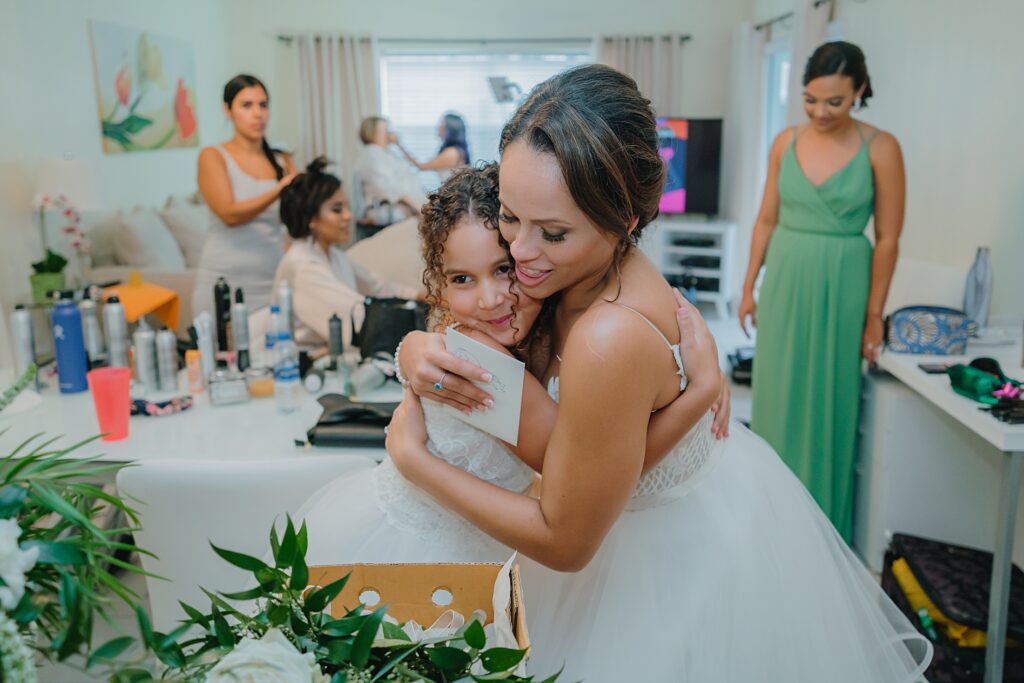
(346, 423)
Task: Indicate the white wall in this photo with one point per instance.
(254, 25)
(946, 76)
(50, 111)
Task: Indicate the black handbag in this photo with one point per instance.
(346, 423)
(385, 322)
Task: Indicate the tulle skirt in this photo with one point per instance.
(742, 579)
(374, 515)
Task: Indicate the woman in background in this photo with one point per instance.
(326, 282)
(820, 305)
(454, 151)
(385, 177)
(241, 181)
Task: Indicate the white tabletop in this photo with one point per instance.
(937, 389)
(254, 430)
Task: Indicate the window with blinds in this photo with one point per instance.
(419, 87)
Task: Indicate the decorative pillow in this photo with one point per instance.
(102, 228)
(189, 224)
(144, 241)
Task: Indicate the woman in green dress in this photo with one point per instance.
(819, 310)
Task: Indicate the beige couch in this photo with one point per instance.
(164, 246)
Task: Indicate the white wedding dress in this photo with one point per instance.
(722, 569)
(376, 515)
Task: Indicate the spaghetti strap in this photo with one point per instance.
(674, 348)
(646, 320)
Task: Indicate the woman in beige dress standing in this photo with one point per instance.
(241, 181)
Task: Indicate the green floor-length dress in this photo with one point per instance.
(810, 319)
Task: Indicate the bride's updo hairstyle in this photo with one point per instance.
(602, 132)
(469, 192)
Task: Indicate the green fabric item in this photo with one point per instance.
(975, 384)
(810, 320)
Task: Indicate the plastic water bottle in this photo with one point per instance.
(286, 373)
(978, 289)
(273, 329)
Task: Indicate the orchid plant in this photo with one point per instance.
(78, 240)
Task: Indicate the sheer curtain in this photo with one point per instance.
(743, 140)
(654, 62)
(810, 26)
(337, 90)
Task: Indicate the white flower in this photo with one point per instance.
(14, 563)
(271, 659)
(15, 657)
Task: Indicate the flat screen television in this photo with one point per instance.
(692, 150)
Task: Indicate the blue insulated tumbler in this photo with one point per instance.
(69, 347)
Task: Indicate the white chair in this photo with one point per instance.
(184, 505)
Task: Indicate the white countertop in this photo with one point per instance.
(937, 389)
(245, 431)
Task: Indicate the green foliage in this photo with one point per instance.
(51, 263)
(56, 499)
(347, 649)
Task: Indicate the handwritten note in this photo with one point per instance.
(507, 386)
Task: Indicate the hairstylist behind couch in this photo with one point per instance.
(326, 282)
(454, 151)
(241, 181)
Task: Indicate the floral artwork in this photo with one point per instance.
(145, 89)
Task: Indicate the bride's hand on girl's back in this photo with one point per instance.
(425, 363)
(697, 348)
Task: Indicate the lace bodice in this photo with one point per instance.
(678, 472)
(465, 447)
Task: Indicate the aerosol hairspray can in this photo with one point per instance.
(24, 339)
(167, 359)
(91, 331)
(145, 357)
(284, 302)
(116, 327)
(240, 329)
(337, 344)
(204, 341)
(69, 347)
(222, 312)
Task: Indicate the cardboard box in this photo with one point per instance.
(409, 591)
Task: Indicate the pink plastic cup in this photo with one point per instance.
(110, 395)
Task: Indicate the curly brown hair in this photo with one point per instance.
(468, 192)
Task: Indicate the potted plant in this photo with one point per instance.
(48, 272)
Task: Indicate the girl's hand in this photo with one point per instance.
(427, 365)
(747, 309)
(722, 408)
(406, 435)
(871, 342)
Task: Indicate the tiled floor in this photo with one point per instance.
(728, 335)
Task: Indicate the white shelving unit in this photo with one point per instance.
(684, 245)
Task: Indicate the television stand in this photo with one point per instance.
(684, 247)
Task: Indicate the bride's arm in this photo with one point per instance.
(609, 381)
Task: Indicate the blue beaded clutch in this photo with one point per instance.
(932, 330)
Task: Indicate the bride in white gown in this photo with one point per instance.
(375, 514)
(716, 565)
